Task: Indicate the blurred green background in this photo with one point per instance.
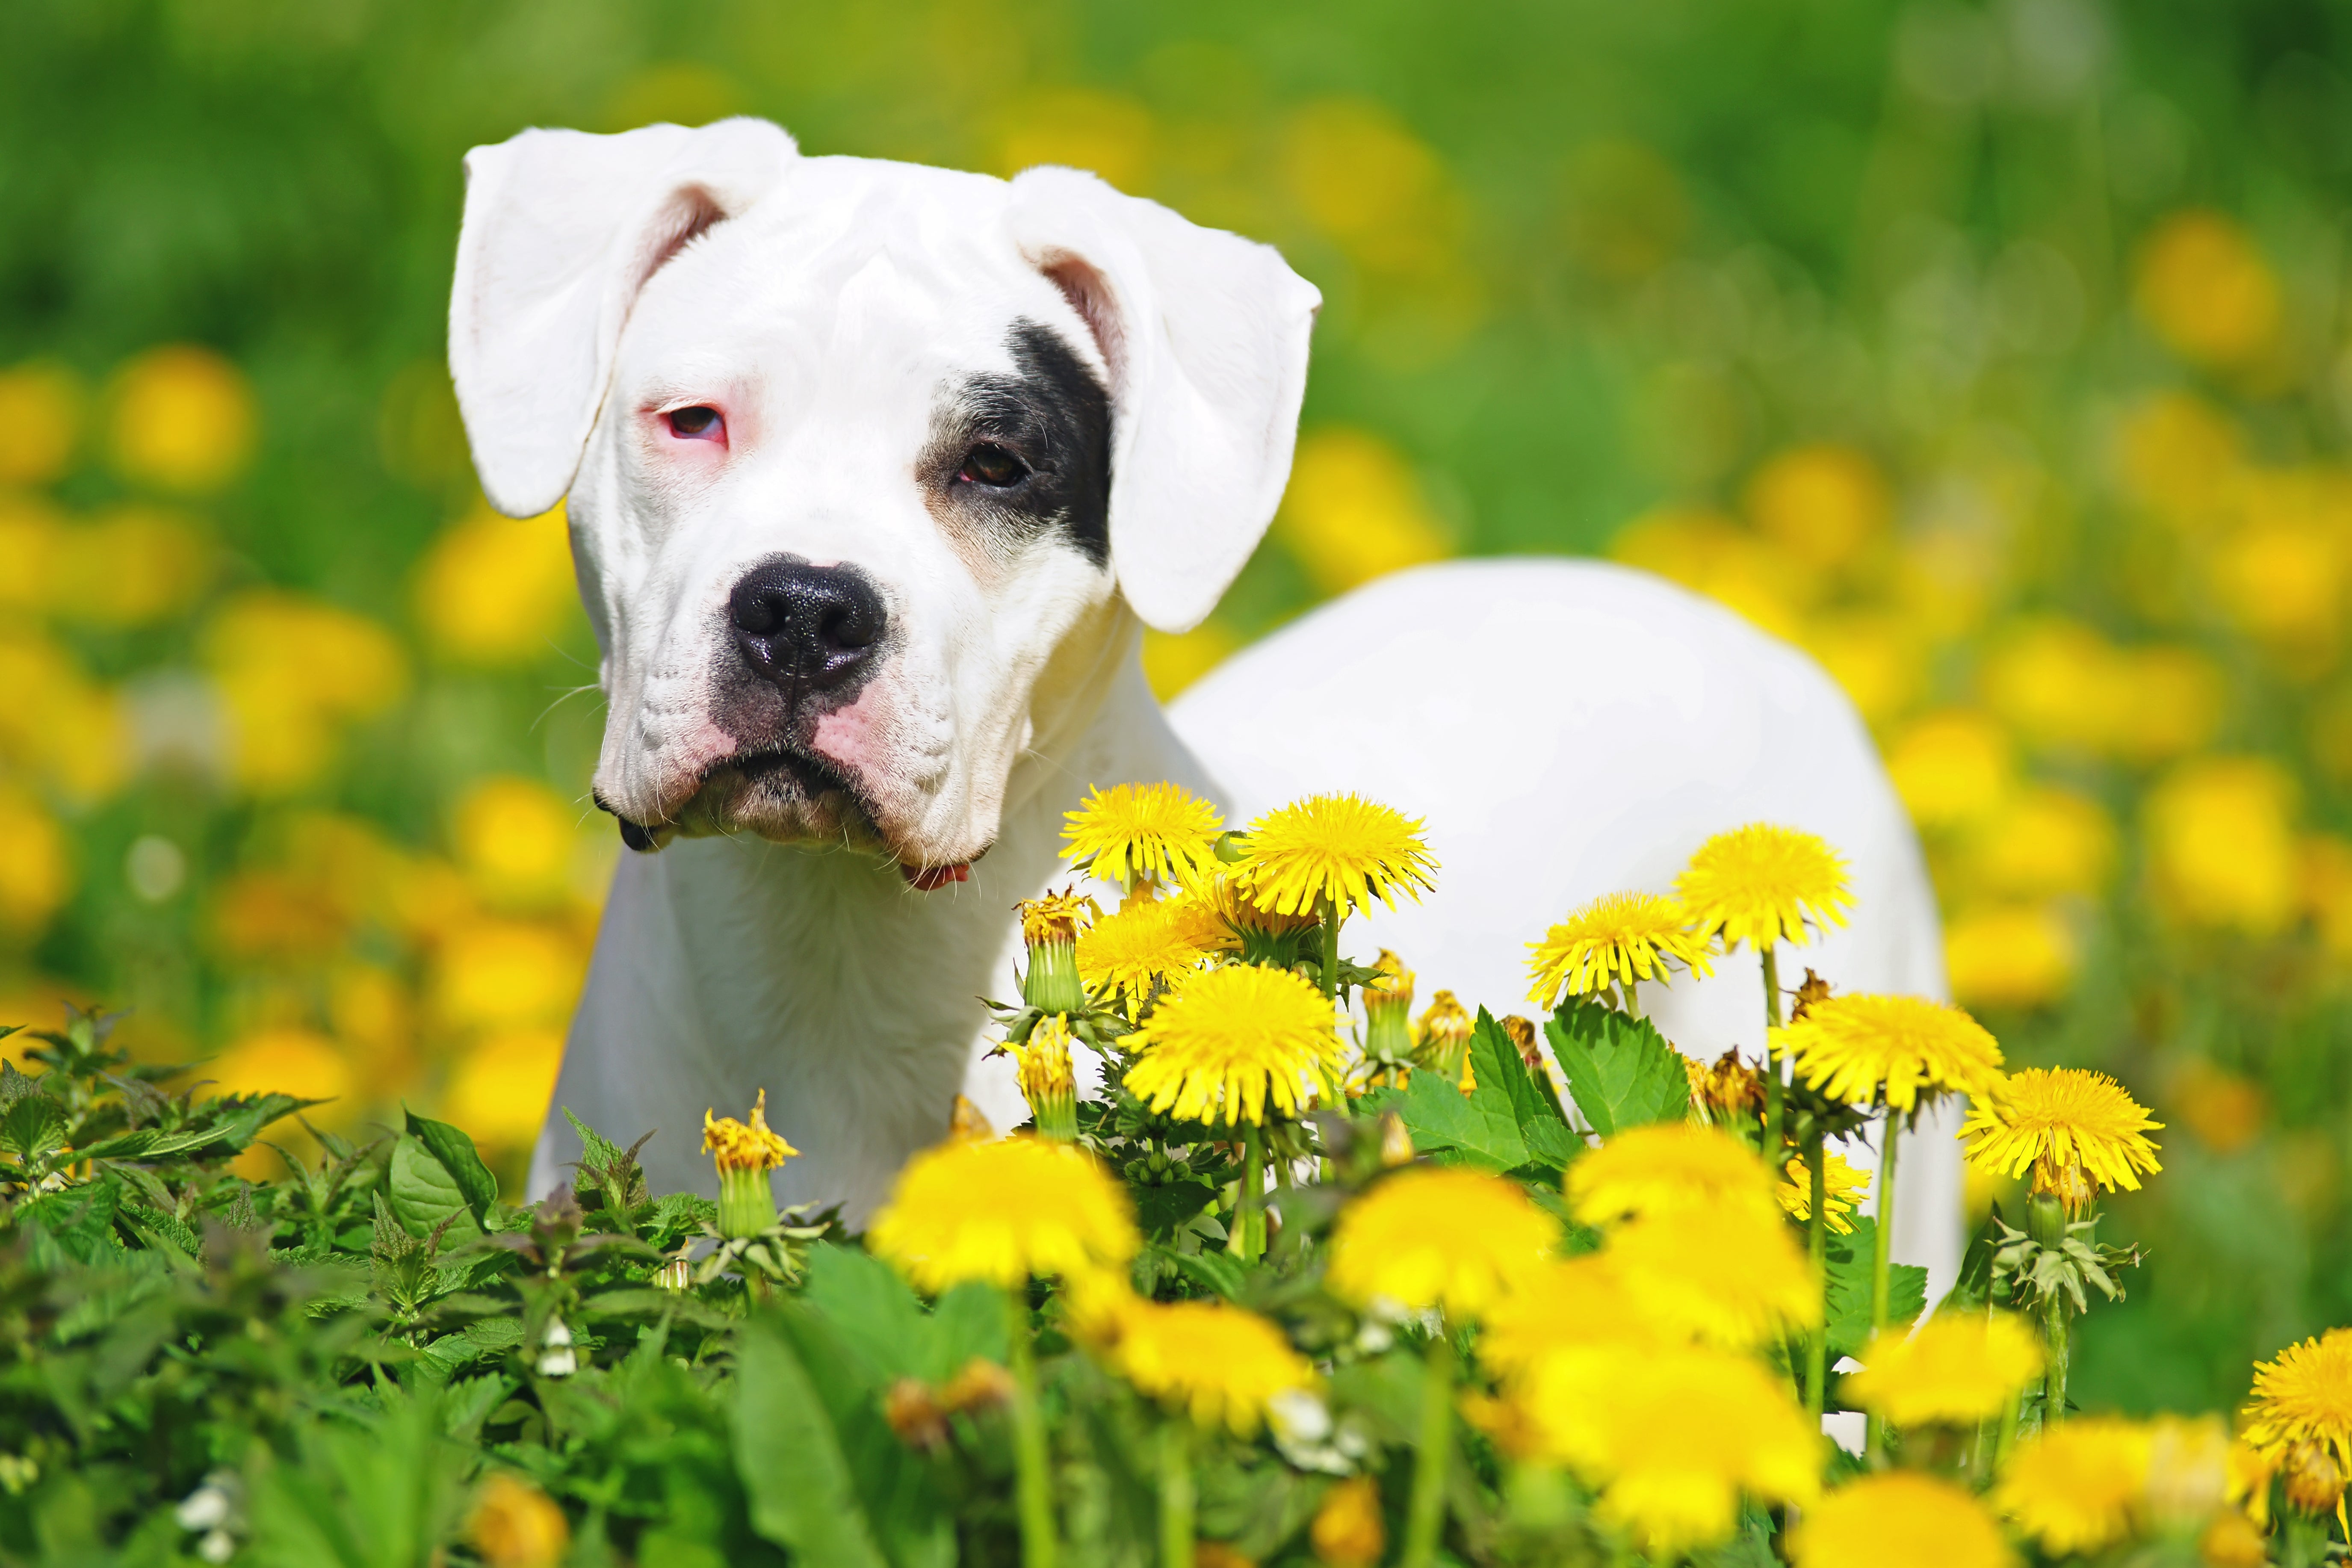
(1997, 354)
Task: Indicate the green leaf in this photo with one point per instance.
(14, 1085)
(1498, 1070)
(1218, 1272)
(460, 1159)
(969, 1323)
(874, 1312)
(1847, 1308)
(1478, 1129)
(34, 1128)
(1162, 1209)
(1621, 1071)
(423, 1194)
(595, 1149)
(790, 1460)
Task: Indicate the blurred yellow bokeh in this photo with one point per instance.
(130, 567)
(2206, 291)
(58, 724)
(1105, 133)
(503, 975)
(2176, 453)
(1354, 512)
(1822, 503)
(182, 419)
(1173, 661)
(496, 590)
(515, 837)
(2220, 844)
(500, 1090)
(36, 867)
(292, 672)
(1711, 554)
(40, 421)
(2044, 842)
(1952, 767)
(1878, 657)
(2010, 955)
(300, 1062)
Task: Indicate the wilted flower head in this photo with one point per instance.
(1231, 1041)
(1047, 1077)
(2071, 1126)
(1616, 939)
(1958, 1369)
(1057, 917)
(1002, 1212)
(1149, 832)
(1340, 846)
(747, 1146)
(1903, 1048)
(1442, 1035)
(1724, 1091)
(1438, 1237)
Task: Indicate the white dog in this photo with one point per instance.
(876, 473)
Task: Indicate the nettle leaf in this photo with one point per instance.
(460, 1159)
(1846, 1309)
(789, 1456)
(34, 1128)
(424, 1195)
(1478, 1128)
(1621, 1071)
(1500, 1070)
(14, 1085)
(1165, 1208)
(595, 1149)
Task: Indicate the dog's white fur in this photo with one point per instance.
(1566, 729)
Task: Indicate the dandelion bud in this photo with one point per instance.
(2314, 1482)
(676, 1275)
(1050, 927)
(2233, 1541)
(1396, 1140)
(1521, 1032)
(1348, 1531)
(1726, 1093)
(745, 1151)
(1046, 1080)
(981, 1385)
(1388, 1015)
(1444, 1031)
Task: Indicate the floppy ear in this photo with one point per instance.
(1205, 336)
(561, 230)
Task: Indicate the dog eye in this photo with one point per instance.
(695, 424)
(991, 464)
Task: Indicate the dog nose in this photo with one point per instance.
(807, 628)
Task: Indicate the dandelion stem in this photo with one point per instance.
(1426, 1511)
(1035, 1479)
(1327, 914)
(1248, 1240)
(1817, 1230)
(1176, 1494)
(1772, 1091)
(1882, 1239)
(2046, 1222)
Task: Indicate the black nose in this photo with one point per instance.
(807, 628)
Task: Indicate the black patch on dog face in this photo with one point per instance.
(1013, 458)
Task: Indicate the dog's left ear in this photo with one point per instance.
(1204, 334)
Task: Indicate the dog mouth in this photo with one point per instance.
(785, 795)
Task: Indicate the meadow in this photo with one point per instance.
(1995, 354)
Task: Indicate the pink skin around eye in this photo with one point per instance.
(697, 422)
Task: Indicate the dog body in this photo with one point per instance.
(875, 474)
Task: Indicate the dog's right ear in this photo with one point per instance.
(561, 230)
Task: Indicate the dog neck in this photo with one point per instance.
(821, 976)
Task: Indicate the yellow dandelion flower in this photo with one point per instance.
(2304, 1394)
(1664, 1169)
(1145, 945)
(1154, 833)
(1957, 1370)
(2067, 1124)
(1566, 1306)
(515, 1525)
(1438, 1237)
(1442, 1038)
(1843, 1187)
(2073, 1487)
(745, 1145)
(1901, 1517)
(1349, 1530)
(1002, 1212)
(1857, 1048)
(1616, 939)
(1761, 884)
(1230, 1040)
(1733, 1276)
(1340, 846)
(1672, 1440)
(1219, 1363)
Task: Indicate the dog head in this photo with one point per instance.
(866, 461)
